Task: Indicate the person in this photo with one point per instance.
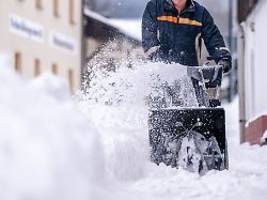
(172, 32)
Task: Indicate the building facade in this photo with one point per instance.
(252, 71)
(43, 35)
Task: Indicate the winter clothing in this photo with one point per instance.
(170, 36)
(225, 60)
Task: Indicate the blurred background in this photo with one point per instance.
(65, 37)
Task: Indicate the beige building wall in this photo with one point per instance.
(39, 34)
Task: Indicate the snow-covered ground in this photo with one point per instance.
(54, 146)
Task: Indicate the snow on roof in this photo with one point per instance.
(130, 27)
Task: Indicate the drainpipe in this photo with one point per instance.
(230, 37)
(83, 41)
(241, 82)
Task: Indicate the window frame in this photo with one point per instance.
(39, 4)
(55, 69)
(71, 79)
(37, 67)
(18, 62)
(56, 8)
(72, 12)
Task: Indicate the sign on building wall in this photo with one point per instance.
(26, 28)
(63, 42)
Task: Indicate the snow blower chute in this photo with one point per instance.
(192, 138)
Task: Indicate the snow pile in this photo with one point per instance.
(48, 150)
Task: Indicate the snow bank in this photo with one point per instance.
(48, 150)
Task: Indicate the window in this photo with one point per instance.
(56, 8)
(71, 12)
(55, 69)
(37, 67)
(18, 62)
(38, 4)
(71, 79)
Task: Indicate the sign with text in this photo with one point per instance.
(26, 28)
(63, 42)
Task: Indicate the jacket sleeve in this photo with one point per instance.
(213, 39)
(150, 40)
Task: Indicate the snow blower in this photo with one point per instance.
(192, 138)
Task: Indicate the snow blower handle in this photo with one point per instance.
(210, 75)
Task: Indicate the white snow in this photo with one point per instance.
(51, 150)
(131, 27)
(46, 146)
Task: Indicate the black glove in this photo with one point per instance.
(213, 75)
(226, 65)
(224, 59)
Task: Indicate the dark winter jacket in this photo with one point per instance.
(170, 36)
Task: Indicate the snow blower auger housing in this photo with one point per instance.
(192, 138)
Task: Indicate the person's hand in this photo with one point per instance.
(225, 59)
(226, 64)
